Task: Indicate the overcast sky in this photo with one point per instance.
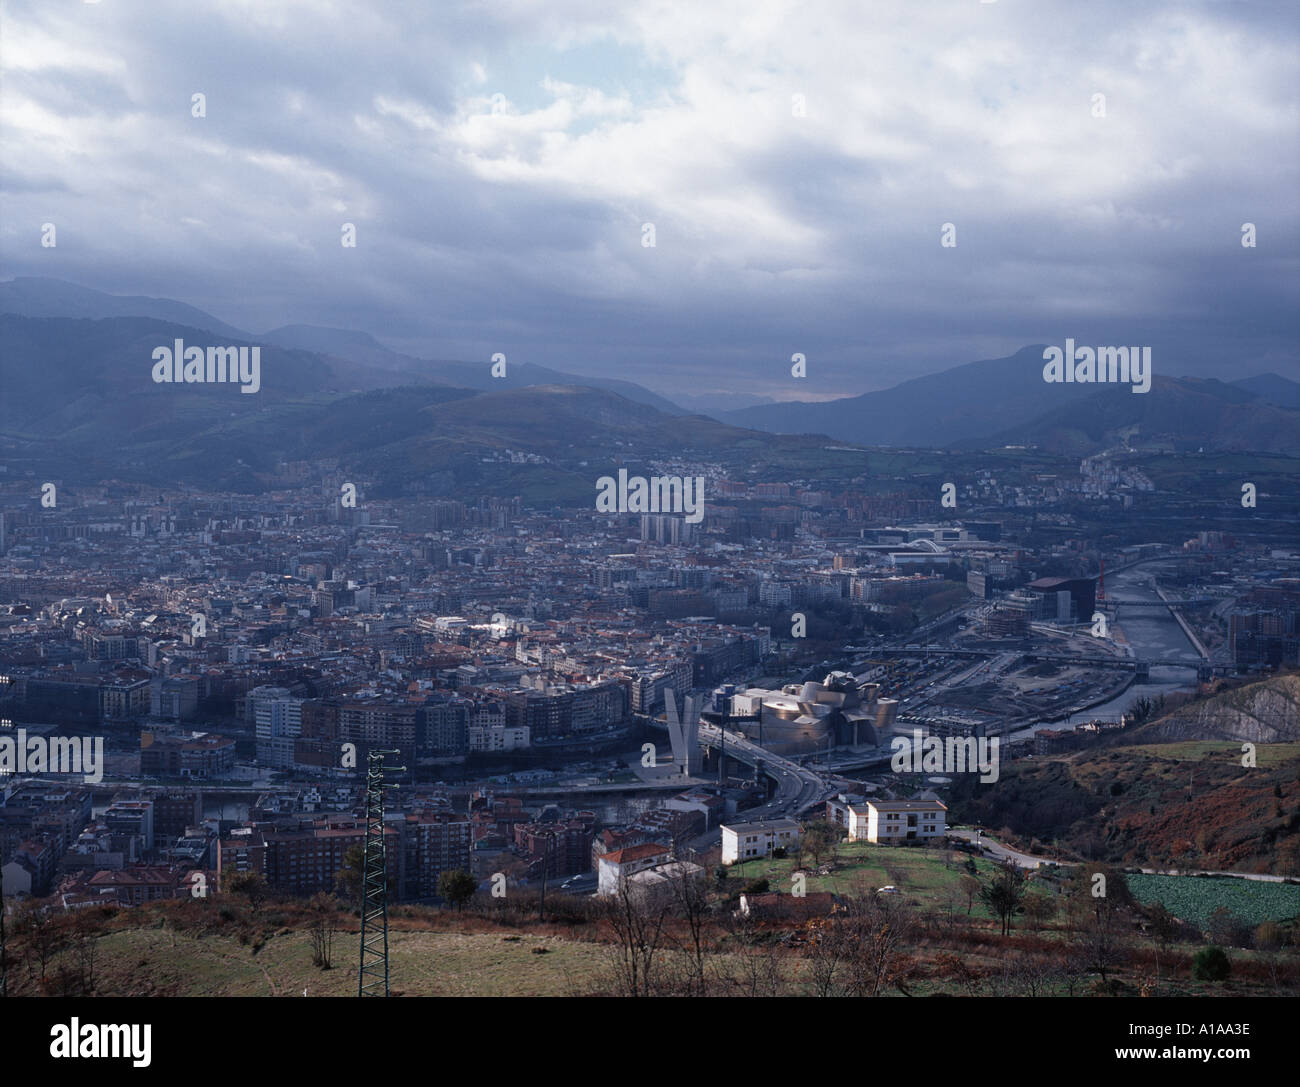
(499, 161)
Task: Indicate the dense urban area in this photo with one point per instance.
(587, 703)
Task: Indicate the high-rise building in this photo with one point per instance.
(666, 528)
(433, 843)
(277, 720)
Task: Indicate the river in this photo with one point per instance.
(1152, 632)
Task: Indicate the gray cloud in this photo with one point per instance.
(519, 229)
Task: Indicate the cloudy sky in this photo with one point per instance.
(798, 163)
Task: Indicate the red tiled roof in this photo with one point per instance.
(635, 853)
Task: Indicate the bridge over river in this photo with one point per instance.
(1140, 665)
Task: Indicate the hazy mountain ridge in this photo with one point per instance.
(80, 398)
(1006, 402)
(1183, 413)
(936, 410)
(42, 296)
(369, 364)
(61, 373)
(86, 380)
(1274, 388)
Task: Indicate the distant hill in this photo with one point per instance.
(998, 402)
(80, 401)
(41, 296)
(1272, 387)
(1267, 712)
(1165, 795)
(371, 364)
(383, 366)
(1180, 413)
(66, 378)
(969, 401)
(720, 405)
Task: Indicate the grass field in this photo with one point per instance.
(177, 949)
(155, 962)
(1267, 756)
(1194, 899)
(148, 961)
(920, 874)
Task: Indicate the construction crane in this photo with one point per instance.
(372, 978)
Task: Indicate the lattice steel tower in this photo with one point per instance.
(372, 979)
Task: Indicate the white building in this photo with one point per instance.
(774, 594)
(277, 719)
(659, 884)
(615, 868)
(488, 738)
(745, 841)
(897, 820)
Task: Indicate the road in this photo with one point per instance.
(797, 788)
(1000, 852)
(1027, 860)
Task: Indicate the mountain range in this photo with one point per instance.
(1006, 402)
(357, 359)
(76, 370)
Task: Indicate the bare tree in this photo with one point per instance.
(1268, 940)
(690, 898)
(86, 931)
(637, 920)
(1164, 925)
(970, 889)
(1039, 908)
(950, 903)
(819, 839)
(1029, 973)
(761, 972)
(830, 952)
(41, 938)
(879, 927)
(322, 927)
(956, 967)
(1101, 943)
(755, 969)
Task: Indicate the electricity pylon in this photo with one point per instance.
(4, 957)
(372, 979)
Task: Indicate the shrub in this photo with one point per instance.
(1269, 936)
(1211, 964)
